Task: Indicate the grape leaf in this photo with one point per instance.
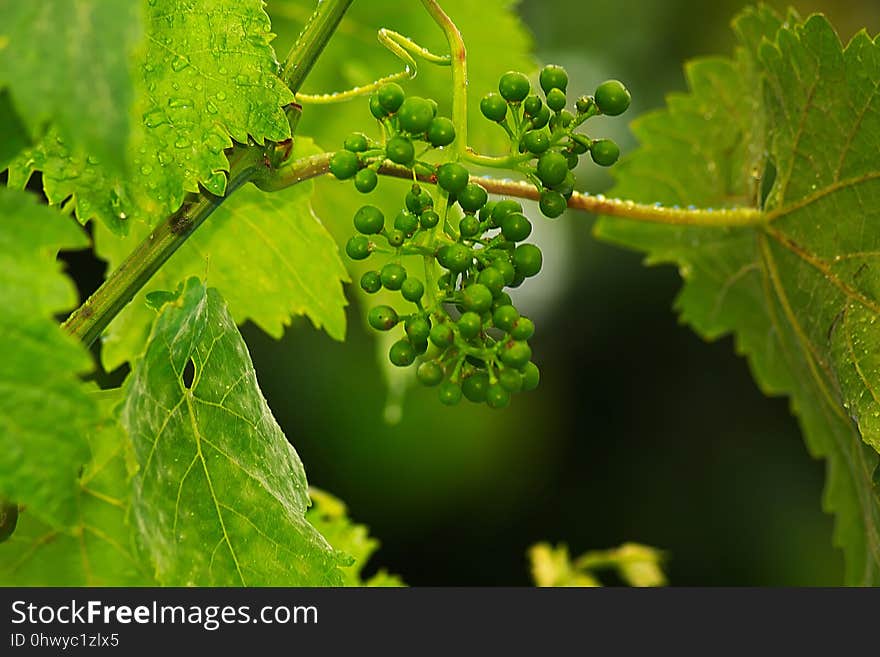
(45, 412)
(69, 61)
(268, 253)
(796, 116)
(98, 549)
(14, 137)
(208, 74)
(329, 516)
(220, 495)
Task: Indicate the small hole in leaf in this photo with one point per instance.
(189, 373)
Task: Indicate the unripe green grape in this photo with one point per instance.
(412, 289)
(474, 387)
(542, 118)
(469, 226)
(371, 282)
(434, 106)
(505, 317)
(552, 203)
(383, 318)
(504, 208)
(402, 353)
(514, 86)
(527, 259)
(487, 209)
(343, 164)
(510, 380)
(469, 325)
(566, 187)
(358, 247)
(497, 396)
(356, 142)
(553, 77)
(415, 115)
(604, 152)
(522, 329)
(449, 393)
(472, 197)
(390, 96)
(503, 299)
(556, 100)
(455, 257)
(406, 222)
(552, 168)
(535, 141)
(477, 298)
(400, 150)
(516, 227)
(369, 220)
(429, 219)
(492, 279)
(442, 335)
(441, 132)
(393, 276)
(417, 328)
(493, 107)
(507, 270)
(531, 376)
(516, 354)
(571, 160)
(452, 177)
(612, 97)
(395, 237)
(430, 373)
(365, 181)
(518, 279)
(532, 105)
(376, 108)
(417, 200)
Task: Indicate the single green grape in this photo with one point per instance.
(604, 152)
(516, 354)
(553, 77)
(356, 142)
(510, 380)
(571, 160)
(494, 107)
(552, 168)
(452, 177)
(527, 259)
(441, 132)
(492, 279)
(415, 115)
(412, 289)
(522, 329)
(535, 141)
(399, 149)
(371, 282)
(497, 396)
(469, 325)
(402, 353)
(429, 219)
(393, 276)
(612, 97)
(343, 164)
(474, 387)
(556, 100)
(502, 299)
(472, 197)
(376, 108)
(369, 220)
(449, 393)
(542, 118)
(417, 328)
(383, 318)
(406, 222)
(365, 181)
(552, 203)
(430, 373)
(532, 105)
(469, 226)
(390, 96)
(505, 317)
(454, 257)
(516, 227)
(531, 376)
(358, 247)
(507, 270)
(514, 86)
(442, 335)
(503, 208)
(477, 298)
(396, 237)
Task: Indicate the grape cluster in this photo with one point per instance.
(542, 131)
(466, 335)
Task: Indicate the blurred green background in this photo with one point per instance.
(639, 431)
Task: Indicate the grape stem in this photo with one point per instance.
(298, 170)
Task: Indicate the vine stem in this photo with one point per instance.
(316, 165)
(247, 163)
